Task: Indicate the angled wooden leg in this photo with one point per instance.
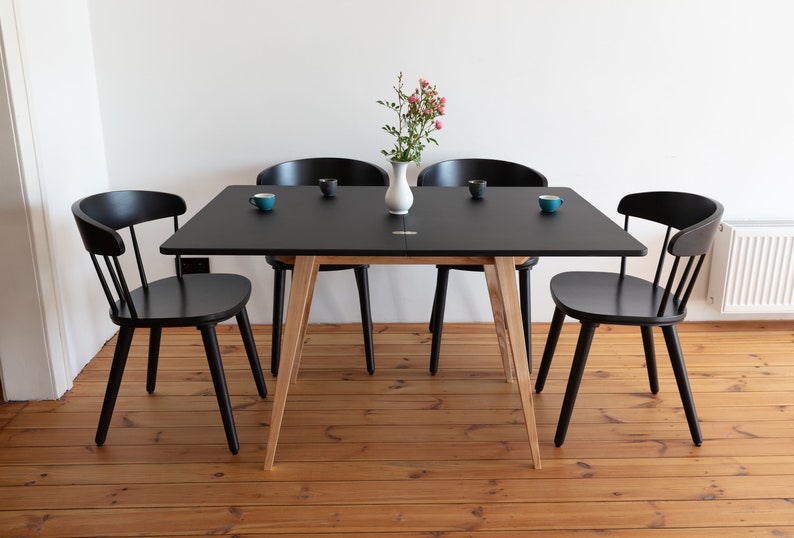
(499, 319)
(155, 334)
(505, 272)
(304, 327)
(123, 342)
(304, 276)
(301, 341)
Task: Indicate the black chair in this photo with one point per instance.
(307, 172)
(457, 173)
(195, 300)
(620, 299)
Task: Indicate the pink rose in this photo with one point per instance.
(423, 82)
(443, 100)
(440, 110)
(413, 99)
(439, 124)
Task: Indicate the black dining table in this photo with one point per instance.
(444, 226)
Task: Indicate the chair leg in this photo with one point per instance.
(362, 281)
(650, 358)
(250, 350)
(279, 281)
(155, 334)
(123, 342)
(431, 325)
(439, 303)
(213, 352)
(682, 380)
(574, 379)
(526, 311)
(548, 352)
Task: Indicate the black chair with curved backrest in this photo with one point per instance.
(307, 172)
(196, 300)
(621, 299)
(457, 173)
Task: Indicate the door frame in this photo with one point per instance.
(33, 353)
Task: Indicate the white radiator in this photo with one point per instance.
(752, 267)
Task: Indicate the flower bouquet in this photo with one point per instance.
(417, 119)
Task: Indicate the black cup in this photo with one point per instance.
(328, 186)
(477, 188)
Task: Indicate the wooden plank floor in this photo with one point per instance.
(403, 453)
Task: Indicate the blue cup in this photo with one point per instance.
(549, 202)
(263, 200)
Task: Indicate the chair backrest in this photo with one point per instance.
(457, 173)
(697, 220)
(98, 218)
(308, 171)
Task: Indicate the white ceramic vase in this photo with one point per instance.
(399, 197)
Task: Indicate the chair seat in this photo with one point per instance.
(607, 298)
(197, 299)
(529, 263)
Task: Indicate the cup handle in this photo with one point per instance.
(562, 201)
(252, 201)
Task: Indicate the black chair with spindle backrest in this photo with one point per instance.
(195, 300)
(457, 173)
(620, 299)
(307, 172)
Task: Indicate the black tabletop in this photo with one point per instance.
(444, 221)
(508, 221)
(302, 221)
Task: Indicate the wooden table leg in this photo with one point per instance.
(505, 273)
(499, 319)
(302, 338)
(304, 275)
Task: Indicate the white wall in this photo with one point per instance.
(605, 96)
(71, 160)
